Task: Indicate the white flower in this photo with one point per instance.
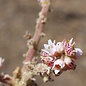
(78, 52)
(70, 63)
(59, 62)
(49, 48)
(59, 47)
(58, 66)
(56, 72)
(71, 43)
(67, 60)
(1, 61)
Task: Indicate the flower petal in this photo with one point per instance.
(79, 52)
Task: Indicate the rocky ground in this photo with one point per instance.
(67, 20)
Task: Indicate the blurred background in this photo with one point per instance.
(67, 20)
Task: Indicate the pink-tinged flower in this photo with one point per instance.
(49, 49)
(58, 66)
(47, 60)
(67, 43)
(78, 52)
(70, 64)
(60, 56)
(69, 47)
(1, 62)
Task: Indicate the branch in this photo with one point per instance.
(39, 27)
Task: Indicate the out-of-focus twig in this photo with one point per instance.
(7, 79)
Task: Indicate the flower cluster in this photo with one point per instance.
(60, 56)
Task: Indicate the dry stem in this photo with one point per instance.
(39, 27)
